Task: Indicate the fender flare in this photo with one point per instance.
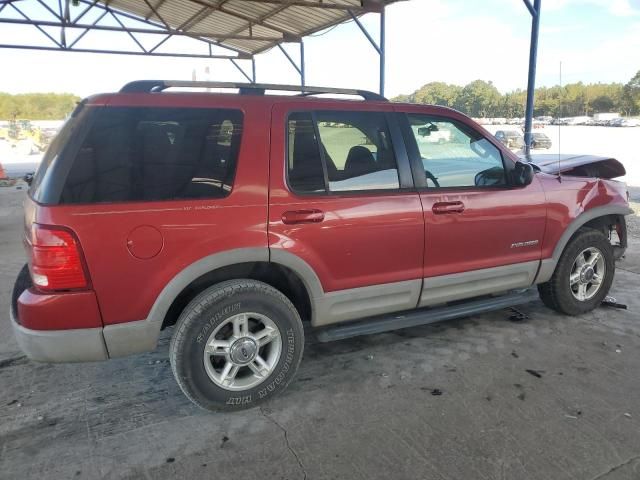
(548, 266)
(142, 336)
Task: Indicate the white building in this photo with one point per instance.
(605, 116)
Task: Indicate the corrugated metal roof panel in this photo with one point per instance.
(216, 18)
(219, 23)
(257, 9)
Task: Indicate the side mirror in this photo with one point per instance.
(29, 178)
(522, 174)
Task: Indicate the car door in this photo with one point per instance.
(342, 205)
(482, 234)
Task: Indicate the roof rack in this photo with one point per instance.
(151, 86)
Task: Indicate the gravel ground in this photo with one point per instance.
(633, 222)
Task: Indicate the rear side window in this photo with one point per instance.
(304, 162)
(340, 152)
(147, 154)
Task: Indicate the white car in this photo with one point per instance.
(630, 122)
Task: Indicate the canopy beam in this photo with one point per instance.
(379, 47)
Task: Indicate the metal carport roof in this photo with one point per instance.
(248, 26)
(219, 29)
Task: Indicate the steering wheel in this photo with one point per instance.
(430, 176)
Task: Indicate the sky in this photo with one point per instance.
(454, 41)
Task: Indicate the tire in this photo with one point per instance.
(23, 281)
(236, 314)
(560, 294)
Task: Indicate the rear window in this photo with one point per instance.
(148, 154)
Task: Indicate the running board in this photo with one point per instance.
(425, 316)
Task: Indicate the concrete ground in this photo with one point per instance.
(550, 397)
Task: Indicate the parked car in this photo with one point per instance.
(510, 138)
(234, 219)
(630, 122)
(540, 140)
(544, 120)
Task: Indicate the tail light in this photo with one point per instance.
(56, 261)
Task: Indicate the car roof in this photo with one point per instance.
(187, 99)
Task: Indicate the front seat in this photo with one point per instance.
(359, 162)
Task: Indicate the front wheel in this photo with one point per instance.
(236, 344)
(583, 276)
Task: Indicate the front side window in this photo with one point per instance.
(454, 155)
(351, 150)
(149, 154)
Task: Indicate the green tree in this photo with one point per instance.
(603, 103)
(37, 106)
(482, 99)
(631, 95)
(437, 93)
(513, 105)
(478, 99)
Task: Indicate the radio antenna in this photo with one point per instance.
(560, 123)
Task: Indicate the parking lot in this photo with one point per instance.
(547, 397)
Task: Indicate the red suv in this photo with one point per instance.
(240, 217)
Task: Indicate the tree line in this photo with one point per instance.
(482, 99)
(37, 106)
(477, 99)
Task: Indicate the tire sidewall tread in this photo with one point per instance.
(204, 313)
(556, 293)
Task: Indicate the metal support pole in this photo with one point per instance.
(253, 69)
(302, 72)
(382, 50)
(531, 83)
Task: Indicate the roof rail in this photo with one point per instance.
(151, 86)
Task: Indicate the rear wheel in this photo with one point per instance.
(583, 276)
(236, 344)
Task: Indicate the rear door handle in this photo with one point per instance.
(442, 208)
(302, 216)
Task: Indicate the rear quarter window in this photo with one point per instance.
(152, 154)
(43, 185)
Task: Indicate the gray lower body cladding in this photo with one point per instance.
(425, 316)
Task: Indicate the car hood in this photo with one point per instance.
(577, 165)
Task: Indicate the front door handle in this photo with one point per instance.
(442, 208)
(302, 216)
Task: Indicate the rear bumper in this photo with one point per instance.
(67, 327)
(77, 345)
(86, 344)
